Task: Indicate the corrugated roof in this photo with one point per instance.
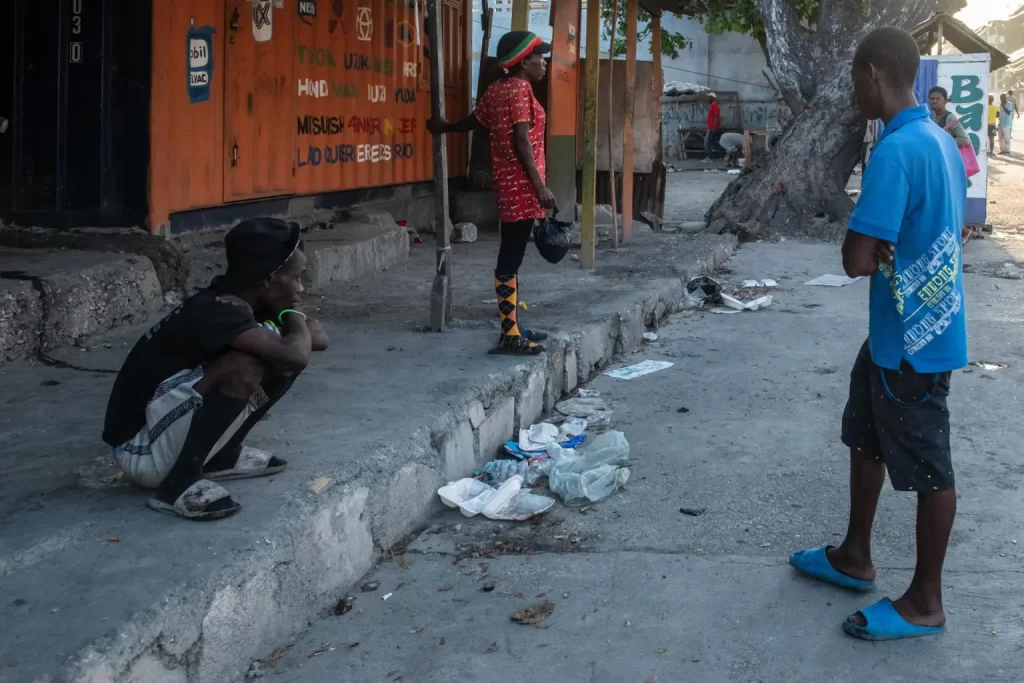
(960, 36)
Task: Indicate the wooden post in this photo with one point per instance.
(485, 44)
(591, 84)
(611, 134)
(939, 28)
(520, 15)
(627, 128)
(440, 293)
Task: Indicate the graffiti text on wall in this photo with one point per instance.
(359, 138)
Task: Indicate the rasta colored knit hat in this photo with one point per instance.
(516, 46)
(257, 248)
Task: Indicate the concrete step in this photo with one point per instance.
(351, 250)
(346, 251)
(51, 298)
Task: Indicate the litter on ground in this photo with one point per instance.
(756, 304)
(750, 284)
(700, 291)
(596, 411)
(640, 369)
(534, 614)
(650, 336)
(506, 502)
(991, 367)
(832, 281)
(589, 475)
(539, 436)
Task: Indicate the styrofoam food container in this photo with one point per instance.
(455, 493)
(505, 493)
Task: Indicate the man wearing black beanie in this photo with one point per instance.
(196, 383)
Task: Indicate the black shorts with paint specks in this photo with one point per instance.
(900, 417)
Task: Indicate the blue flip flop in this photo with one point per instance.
(814, 563)
(883, 622)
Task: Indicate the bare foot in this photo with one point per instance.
(843, 562)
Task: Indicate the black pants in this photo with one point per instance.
(514, 238)
(211, 421)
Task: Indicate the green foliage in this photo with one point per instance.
(739, 16)
(671, 41)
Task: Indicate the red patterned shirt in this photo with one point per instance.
(506, 103)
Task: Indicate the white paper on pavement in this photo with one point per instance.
(640, 369)
(832, 281)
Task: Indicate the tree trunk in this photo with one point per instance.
(800, 187)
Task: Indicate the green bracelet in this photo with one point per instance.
(280, 316)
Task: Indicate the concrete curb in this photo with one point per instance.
(351, 251)
(55, 298)
(210, 632)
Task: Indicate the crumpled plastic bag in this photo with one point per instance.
(552, 239)
(592, 474)
(702, 290)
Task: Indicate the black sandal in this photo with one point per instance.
(534, 335)
(517, 345)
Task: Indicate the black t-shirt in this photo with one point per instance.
(195, 332)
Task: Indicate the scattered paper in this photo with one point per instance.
(640, 369)
(769, 283)
(319, 484)
(589, 393)
(650, 336)
(724, 311)
(832, 281)
(733, 171)
(750, 284)
(991, 367)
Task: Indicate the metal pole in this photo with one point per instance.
(611, 135)
(440, 293)
(591, 83)
(627, 127)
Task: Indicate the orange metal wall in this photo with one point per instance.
(357, 68)
(564, 76)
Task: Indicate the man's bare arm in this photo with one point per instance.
(317, 335)
(860, 254)
(289, 352)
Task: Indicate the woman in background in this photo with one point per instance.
(515, 121)
(938, 98)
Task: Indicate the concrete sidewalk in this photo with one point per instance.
(683, 577)
(99, 588)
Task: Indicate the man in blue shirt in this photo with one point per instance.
(905, 235)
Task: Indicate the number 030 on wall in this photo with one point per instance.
(75, 46)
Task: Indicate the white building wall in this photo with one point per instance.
(730, 62)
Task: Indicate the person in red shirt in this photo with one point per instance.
(714, 133)
(516, 123)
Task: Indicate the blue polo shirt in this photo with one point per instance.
(914, 194)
